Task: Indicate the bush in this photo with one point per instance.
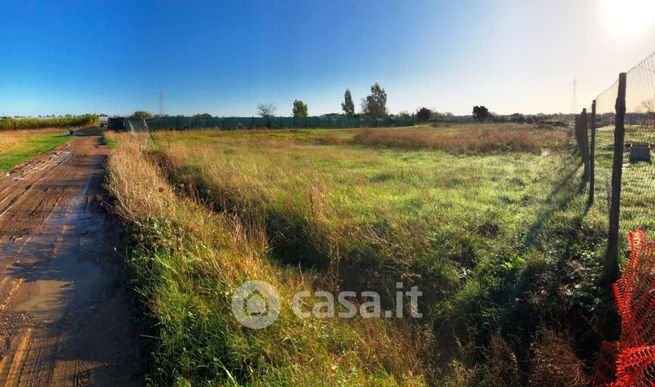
(49, 122)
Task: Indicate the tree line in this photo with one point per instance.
(66, 121)
(374, 105)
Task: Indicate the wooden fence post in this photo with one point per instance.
(584, 143)
(612, 259)
(592, 155)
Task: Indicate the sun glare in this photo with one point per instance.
(628, 18)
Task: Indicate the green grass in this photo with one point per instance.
(637, 193)
(503, 245)
(475, 233)
(27, 147)
(187, 260)
(109, 139)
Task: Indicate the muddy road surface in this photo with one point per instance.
(65, 314)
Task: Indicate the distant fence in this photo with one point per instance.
(233, 123)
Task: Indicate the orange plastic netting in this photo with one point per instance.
(630, 361)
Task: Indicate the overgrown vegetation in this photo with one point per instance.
(186, 264)
(19, 146)
(8, 123)
(469, 139)
(500, 241)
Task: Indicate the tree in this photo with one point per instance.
(375, 105)
(648, 106)
(517, 117)
(480, 113)
(266, 110)
(348, 106)
(299, 108)
(203, 116)
(141, 115)
(424, 115)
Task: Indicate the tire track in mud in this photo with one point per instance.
(64, 313)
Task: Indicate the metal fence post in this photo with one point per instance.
(592, 155)
(612, 260)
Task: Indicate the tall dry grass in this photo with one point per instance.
(470, 139)
(307, 218)
(187, 262)
(319, 207)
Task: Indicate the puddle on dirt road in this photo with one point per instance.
(61, 277)
(65, 315)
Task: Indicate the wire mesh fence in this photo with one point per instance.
(637, 207)
(620, 136)
(624, 181)
(141, 132)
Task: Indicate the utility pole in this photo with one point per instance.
(575, 85)
(161, 103)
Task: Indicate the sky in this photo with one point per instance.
(225, 57)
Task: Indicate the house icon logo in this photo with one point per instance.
(256, 304)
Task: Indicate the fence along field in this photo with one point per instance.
(353, 212)
(532, 297)
(619, 131)
(617, 155)
(232, 123)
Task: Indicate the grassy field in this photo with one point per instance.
(491, 226)
(19, 146)
(637, 194)
(186, 263)
(489, 138)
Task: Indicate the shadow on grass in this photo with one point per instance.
(561, 195)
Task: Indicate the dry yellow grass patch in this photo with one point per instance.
(491, 138)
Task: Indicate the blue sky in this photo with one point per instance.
(225, 57)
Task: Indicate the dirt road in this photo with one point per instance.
(64, 312)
